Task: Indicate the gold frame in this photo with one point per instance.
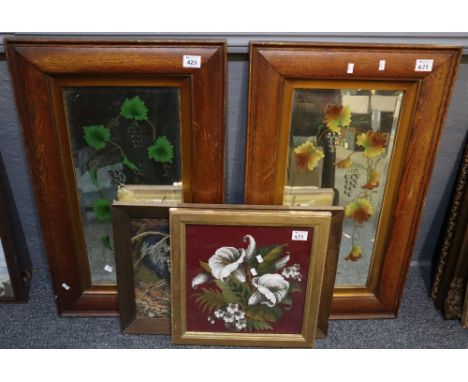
(321, 222)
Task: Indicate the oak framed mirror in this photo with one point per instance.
(98, 114)
(365, 121)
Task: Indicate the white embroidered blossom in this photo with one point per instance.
(292, 272)
(271, 289)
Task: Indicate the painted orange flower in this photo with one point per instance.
(308, 155)
(360, 210)
(355, 254)
(345, 163)
(373, 181)
(337, 116)
(373, 143)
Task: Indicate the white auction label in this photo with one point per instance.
(350, 68)
(108, 268)
(253, 271)
(65, 286)
(382, 65)
(423, 65)
(191, 61)
(260, 258)
(299, 235)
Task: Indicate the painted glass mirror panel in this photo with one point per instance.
(119, 136)
(6, 290)
(151, 267)
(342, 139)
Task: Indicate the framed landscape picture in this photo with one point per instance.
(100, 114)
(251, 277)
(364, 121)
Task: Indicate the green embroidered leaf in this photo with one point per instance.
(161, 150)
(258, 325)
(263, 312)
(287, 302)
(102, 210)
(105, 240)
(205, 266)
(270, 255)
(96, 136)
(294, 287)
(230, 294)
(93, 176)
(134, 108)
(209, 300)
(130, 164)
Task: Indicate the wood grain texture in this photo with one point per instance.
(36, 64)
(273, 64)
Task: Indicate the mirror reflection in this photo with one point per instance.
(342, 140)
(120, 136)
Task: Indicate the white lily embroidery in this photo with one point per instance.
(200, 279)
(251, 247)
(271, 289)
(226, 261)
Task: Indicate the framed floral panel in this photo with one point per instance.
(363, 120)
(15, 267)
(247, 277)
(99, 114)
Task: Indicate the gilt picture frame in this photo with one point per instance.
(365, 120)
(99, 113)
(216, 303)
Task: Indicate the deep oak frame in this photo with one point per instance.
(274, 67)
(323, 224)
(40, 67)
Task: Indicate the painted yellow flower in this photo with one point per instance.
(308, 155)
(345, 163)
(355, 254)
(373, 182)
(337, 116)
(360, 210)
(373, 143)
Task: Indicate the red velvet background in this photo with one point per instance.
(203, 240)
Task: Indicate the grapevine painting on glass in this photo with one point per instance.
(119, 136)
(342, 139)
(5, 283)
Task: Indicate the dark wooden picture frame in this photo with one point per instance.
(326, 225)
(14, 245)
(122, 215)
(276, 67)
(40, 68)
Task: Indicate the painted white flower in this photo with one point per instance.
(232, 308)
(239, 315)
(281, 262)
(251, 246)
(219, 313)
(226, 261)
(292, 272)
(228, 317)
(241, 324)
(271, 289)
(200, 279)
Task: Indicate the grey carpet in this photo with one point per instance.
(36, 325)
